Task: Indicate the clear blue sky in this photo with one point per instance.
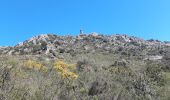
(22, 19)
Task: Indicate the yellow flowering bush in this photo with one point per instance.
(60, 66)
(64, 69)
(31, 64)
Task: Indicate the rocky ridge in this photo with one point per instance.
(51, 44)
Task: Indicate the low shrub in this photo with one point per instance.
(65, 69)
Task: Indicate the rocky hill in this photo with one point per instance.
(115, 44)
(106, 67)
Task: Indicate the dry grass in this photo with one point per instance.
(35, 79)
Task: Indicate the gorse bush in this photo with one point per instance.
(31, 64)
(60, 66)
(65, 69)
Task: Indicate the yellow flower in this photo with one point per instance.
(31, 64)
(64, 69)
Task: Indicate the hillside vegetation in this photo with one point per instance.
(86, 67)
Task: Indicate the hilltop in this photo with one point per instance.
(122, 44)
(106, 67)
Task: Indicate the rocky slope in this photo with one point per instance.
(107, 67)
(122, 44)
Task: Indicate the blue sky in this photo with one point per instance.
(22, 19)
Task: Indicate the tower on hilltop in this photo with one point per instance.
(81, 32)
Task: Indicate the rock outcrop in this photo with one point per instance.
(127, 46)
